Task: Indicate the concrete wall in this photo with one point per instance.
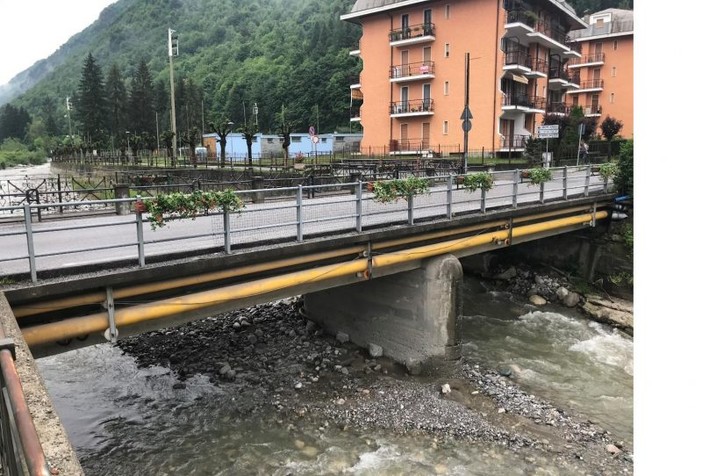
(54, 440)
(411, 315)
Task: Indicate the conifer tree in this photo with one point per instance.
(90, 104)
(142, 114)
(116, 93)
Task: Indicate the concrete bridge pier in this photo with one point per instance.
(411, 315)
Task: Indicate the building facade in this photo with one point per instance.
(606, 67)
(425, 62)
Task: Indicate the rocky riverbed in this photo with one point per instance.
(275, 362)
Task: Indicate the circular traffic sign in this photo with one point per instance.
(315, 139)
(466, 126)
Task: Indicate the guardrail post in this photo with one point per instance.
(541, 192)
(587, 180)
(410, 209)
(299, 213)
(121, 190)
(515, 187)
(140, 235)
(483, 200)
(359, 206)
(449, 197)
(227, 232)
(565, 183)
(30, 242)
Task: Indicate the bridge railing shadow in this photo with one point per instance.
(270, 216)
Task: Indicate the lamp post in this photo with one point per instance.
(129, 149)
(172, 51)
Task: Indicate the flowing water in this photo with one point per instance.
(124, 420)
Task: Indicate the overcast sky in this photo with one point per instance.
(32, 30)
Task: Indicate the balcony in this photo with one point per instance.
(590, 86)
(412, 34)
(355, 113)
(558, 108)
(517, 61)
(420, 70)
(517, 141)
(526, 27)
(524, 103)
(561, 78)
(409, 146)
(414, 107)
(592, 110)
(585, 61)
(538, 66)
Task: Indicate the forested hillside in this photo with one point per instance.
(232, 54)
(236, 52)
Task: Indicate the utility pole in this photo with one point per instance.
(466, 116)
(173, 51)
(68, 115)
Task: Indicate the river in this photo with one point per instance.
(127, 420)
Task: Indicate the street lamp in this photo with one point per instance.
(172, 51)
(129, 149)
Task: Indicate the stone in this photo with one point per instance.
(342, 337)
(298, 386)
(613, 449)
(562, 293)
(537, 300)
(445, 389)
(508, 274)
(224, 369)
(375, 350)
(571, 300)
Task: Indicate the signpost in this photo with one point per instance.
(466, 126)
(548, 132)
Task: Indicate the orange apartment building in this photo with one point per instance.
(606, 67)
(424, 60)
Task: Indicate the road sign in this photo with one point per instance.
(315, 139)
(466, 126)
(312, 131)
(466, 114)
(548, 132)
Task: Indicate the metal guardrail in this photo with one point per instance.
(273, 215)
(20, 449)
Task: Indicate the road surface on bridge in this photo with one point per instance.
(114, 238)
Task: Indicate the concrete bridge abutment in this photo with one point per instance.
(411, 315)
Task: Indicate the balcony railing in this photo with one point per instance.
(589, 59)
(592, 84)
(516, 141)
(558, 108)
(526, 17)
(558, 73)
(518, 57)
(409, 145)
(537, 64)
(412, 31)
(419, 68)
(592, 110)
(410, 106)
(355, 112)
(522, 100)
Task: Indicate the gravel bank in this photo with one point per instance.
(272, 360)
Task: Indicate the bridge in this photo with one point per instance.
(385, 274)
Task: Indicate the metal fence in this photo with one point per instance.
(270, 215)
(20, 449)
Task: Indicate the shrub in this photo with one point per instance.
(481, 180)
(188, 205)
(392, 190)
(608, 170)
(540, 175)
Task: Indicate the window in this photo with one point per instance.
(446, 50)
(611, 98)
(446, 88)
(616, 43)
(324, 140)
(296, 139)
(445, 129)
(447, 11)
(614, 71)
(427, 17)
(269, 140)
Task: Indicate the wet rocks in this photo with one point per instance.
(273, 361)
